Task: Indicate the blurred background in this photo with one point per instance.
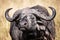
(19, 4)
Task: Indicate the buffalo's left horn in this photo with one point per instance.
(47, 18)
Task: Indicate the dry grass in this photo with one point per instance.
(15, 4)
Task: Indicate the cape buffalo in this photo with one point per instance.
(32, 23)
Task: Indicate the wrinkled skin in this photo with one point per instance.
(26, 24)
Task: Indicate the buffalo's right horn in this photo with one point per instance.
(8, 17)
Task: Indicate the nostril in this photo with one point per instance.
(25, 23)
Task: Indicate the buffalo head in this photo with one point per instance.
(26, 18)
(31, 19)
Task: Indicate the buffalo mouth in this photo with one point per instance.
(22, 28)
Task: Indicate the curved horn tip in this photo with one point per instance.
(52, 8)
(6, 14)
(54, 11)
(10, 8)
